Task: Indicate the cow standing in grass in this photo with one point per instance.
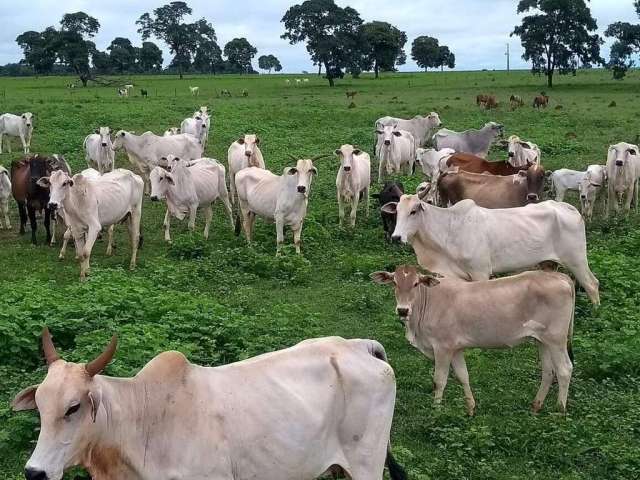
(19, 126)
(353, 180)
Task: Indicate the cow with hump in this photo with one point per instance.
(445, 316)
(472, 243)
(323, 405)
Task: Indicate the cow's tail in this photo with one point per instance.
(396, 472)
(573, 314)
(238, 224)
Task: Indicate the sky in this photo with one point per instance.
(477, 31)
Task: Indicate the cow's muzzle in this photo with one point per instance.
(583, 197)
(302, 189)
(33, 474)
(619, 163)
(512, 154)
(387, 142)
(247, 154)
(347, 168)
(104, 144)
(53, 205)
(396, 238)
(403, 312)
(532, 197)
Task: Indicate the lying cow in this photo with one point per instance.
(91, 204)
(353, 180)
(474, 164)
(472, 243)
(391, 192)
(475, 142)
(18, 126)
(522, 154)
(266, 417)
(422, 128)
(492, 191)
(623, 172)
(590, 187)
(187, 188)
(98, 149)
(396, 151)
(244, 152)
(5, 194)
(279, 198)
(444, 317)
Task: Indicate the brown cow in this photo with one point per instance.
(492, 191)
(30, 196)
(541, 101)
(474, 164)
(491, 102)
(481, 99)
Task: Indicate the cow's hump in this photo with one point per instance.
(167, 366)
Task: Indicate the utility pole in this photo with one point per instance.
(507, 55)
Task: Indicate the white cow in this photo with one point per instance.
(20, 126)
(623, 171)
(171, 131)
(98, 150)
(187, 188)
(195, 126)
(206, 119)
(395, 149)
(521, 153)
(195, 91)
(445, 317)
(322, 406)
(353, 180)
(594, 180)
(128, 87)
(91, 204)
(565, 179)
(243, 153)
(5, 195)
(280, 198)
(123, 92)
(433, 162)
(148, 150)
(422, 128)
(475, 142)
(287, 82)
(473, 243)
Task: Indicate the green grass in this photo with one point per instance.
(219, 301)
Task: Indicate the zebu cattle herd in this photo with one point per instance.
(324, 405)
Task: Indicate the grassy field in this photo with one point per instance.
(219, 301)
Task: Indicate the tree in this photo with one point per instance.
(208, 56)
(426, 52)
(72, 44)
(150, 57)
(556, 35)
(38, 51)
(627, 42)
(383, 46)
(445, 57)
(166, 23)
(328, 30)
(239, 53)
(101, 62)
(123, 55)
(269, 62)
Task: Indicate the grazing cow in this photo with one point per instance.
(245, 93)
(444, 317)
(541, 101)
(298, 82)
(144, 93)
(128, 86)
(623, 172)
(475, 142)
(20, 126)
(98, 150)
(29, 195)
(351, 94)
(481, 99)
(391, 192)
(491, 102)
(280, 198)
(225, 93)
(123, 92)
(195, 126)
(474, 164)
(516, 101)
(433, 161)
(422, 128)
(395, 149)
(148, 150)
(287, 82)
(324, 405)
(243, 153)
(195, 91)
(91, 204)
(171, 131)
(353, 180)
(470, 242)
(522, 154)
(187, 188)
(590, 186)
(5, 193)
(565, 179)
(492, 191)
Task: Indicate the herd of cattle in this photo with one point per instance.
(324, 405)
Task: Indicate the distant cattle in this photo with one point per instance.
(353, 180)
(475, 142)
(225, 93)
(144, 93)
(391, 192)
(5, 194)
(195, 91)
(541, 101)
(123, 92)
(516, 101)
(16, 126)
(481, 99)
(351, 94)
(491, 102)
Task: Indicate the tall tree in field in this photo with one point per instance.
(383, 46)
(269, 62)
(101, 62)
(329, 32)
(166, 23)
(425, 51)
(208, 55)
(73, 44)
(38, 49)
(239, 53)
(446, 58)
(556, 34)
(627, 43)
(122, 54)
(150, 57)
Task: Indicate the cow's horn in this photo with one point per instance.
(424, 192)
(97, 365)
(50, 354)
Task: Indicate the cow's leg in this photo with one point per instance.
(613, 202)
(354, 209)
(442, 360)
(630, 197)
(232, 187)
(22, 212)
(47, 223)
(587, 280)
(134, 234)
(54, 217)
(208, 215)
(247, 221)
(381, 167)
(224, 197)
(193, 210)
(1, 139)
(24, 144)
(560, 194)
(340, 209)
(8, 144)
(460, 369)
(297, 234)
(5, 211)
(85, 253)
(279, 234)
(110, 241)
(563, 368)
(34, 225)
(547, 378)
(65, 242)
(166, 223)
(367, 201)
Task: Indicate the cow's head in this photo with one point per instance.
(250, 143)
(161, 181)
(203, 110)
(345, 153)
(497, 129)
(621, 154)
(27, 119)
(118, 141)
(426, 192)
(68, 400)
(391, 192)
(535, 177)
(58, 184)
(387, 133)
(408, 213)
(302, 175)
(406, 279)
(105, 136)
(433, 120)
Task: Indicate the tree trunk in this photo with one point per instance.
(329, 75)
(375, 68)
(319, 69)
(180, 71)
(550, 68)
(442, 68)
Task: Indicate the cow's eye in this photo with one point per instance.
(632, 151)
(416, 284)
(413, 212)
(72, 409)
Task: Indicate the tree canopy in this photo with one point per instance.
(269, 62)
(627, 43)
(428, 53)
(239, 53)
(382, 45)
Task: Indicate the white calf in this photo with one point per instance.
(98, 150)
(195, 91)
(395, 149)
(20, 126)
(243, 153)
(565, 179)
(353, 180)
(5, 195)
(592, 183)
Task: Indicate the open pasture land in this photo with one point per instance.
(219, 301)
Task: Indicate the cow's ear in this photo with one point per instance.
(397, 134)
(357, 152)
(290, 170)
(257, 140)
(94, 401)
(25, 400)
(97, 130)
(522, 173)
(122, 134)
(241, 140)
(43, 182)
(71, 181)
(382, 278)
(170, 180)
(391, 208)
(337, 151)
(314, 170)
(379, 132)
(547, 173)
(428, 280)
